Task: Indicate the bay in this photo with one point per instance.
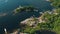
(10, 21)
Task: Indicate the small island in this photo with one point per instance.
(25, 9)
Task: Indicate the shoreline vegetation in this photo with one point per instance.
(49, 20)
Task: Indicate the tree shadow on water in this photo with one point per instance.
(45, 32)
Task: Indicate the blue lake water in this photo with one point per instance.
(10, 21)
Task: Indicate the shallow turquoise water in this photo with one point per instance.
(11, 22)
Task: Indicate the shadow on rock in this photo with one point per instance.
(45, 32)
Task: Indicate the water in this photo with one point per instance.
(12, 21)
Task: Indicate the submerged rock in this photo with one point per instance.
(3, 14)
